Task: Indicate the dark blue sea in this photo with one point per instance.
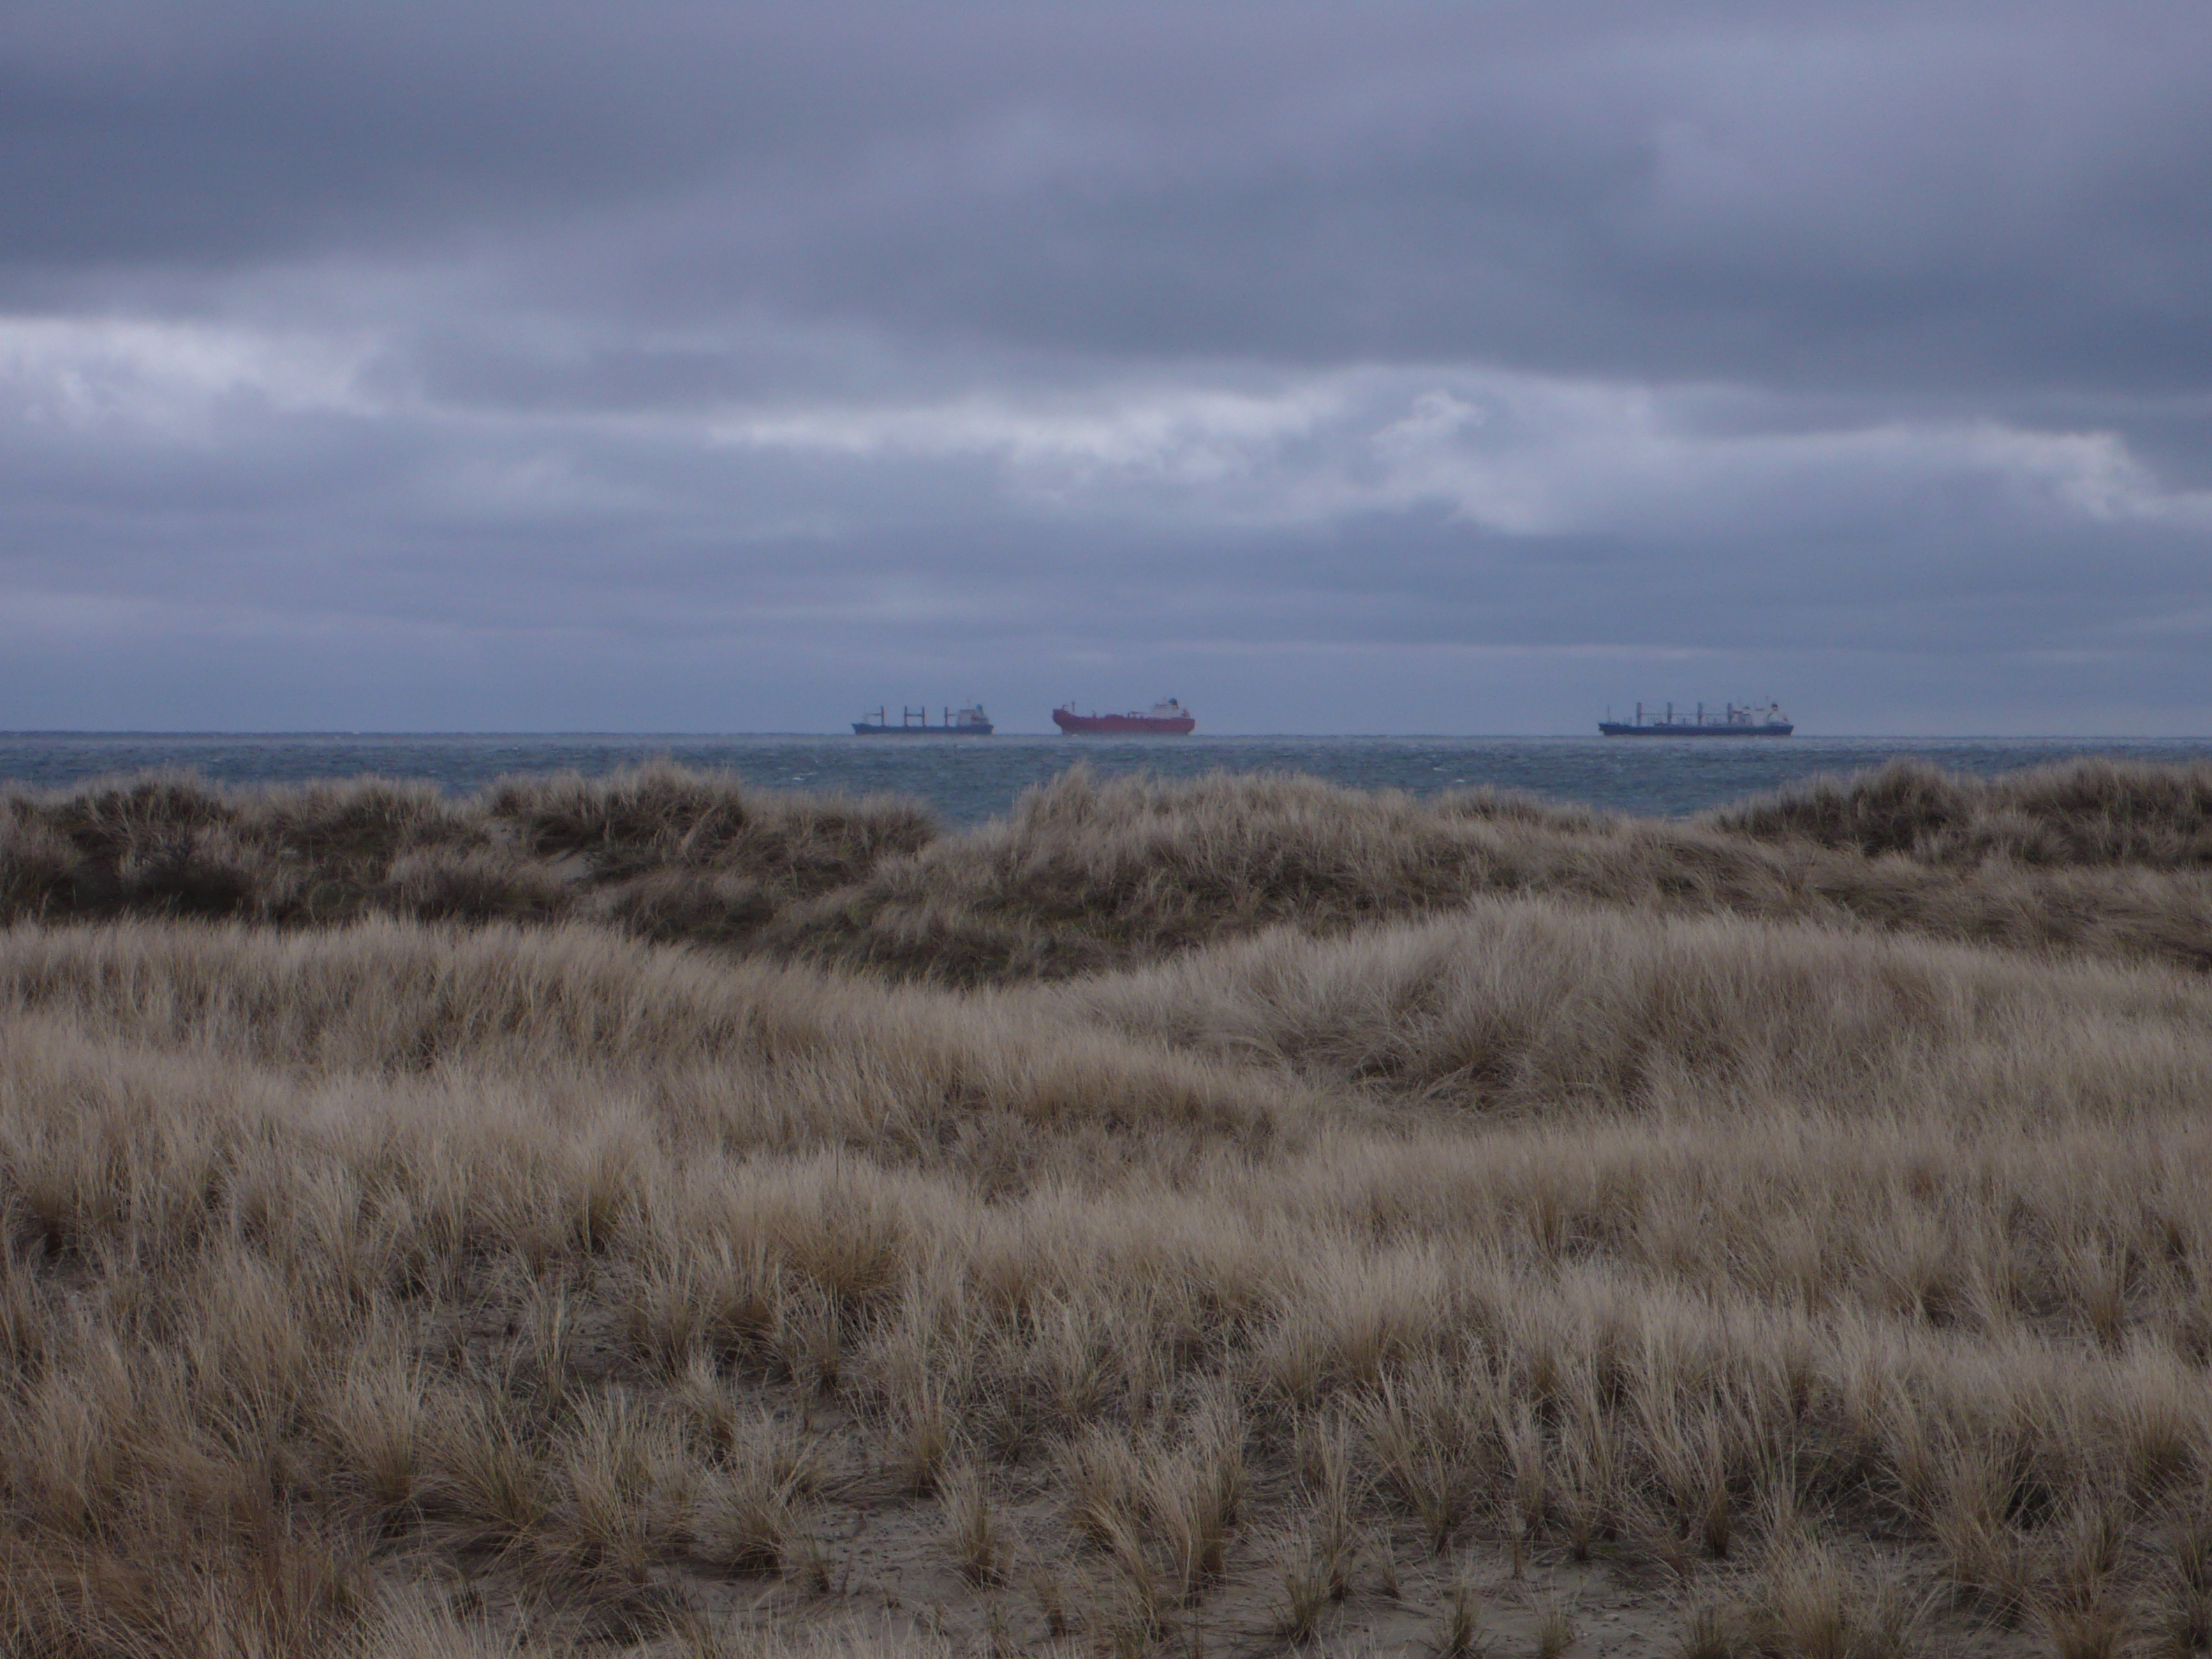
(967, 780)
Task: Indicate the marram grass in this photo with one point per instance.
(656, 1216)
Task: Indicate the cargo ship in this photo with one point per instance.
(1167, 719)
(1734, 720)
(968, 722)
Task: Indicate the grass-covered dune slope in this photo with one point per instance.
(2093, 858)
(658, 1216)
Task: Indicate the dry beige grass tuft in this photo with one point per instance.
(1444, 1227)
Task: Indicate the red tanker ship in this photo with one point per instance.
(1167, 719)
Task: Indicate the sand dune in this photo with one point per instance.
(1205, 1217)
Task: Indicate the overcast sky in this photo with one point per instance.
(1453, 368)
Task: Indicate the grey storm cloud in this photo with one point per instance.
(565, 365)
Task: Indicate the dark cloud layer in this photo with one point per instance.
(1429, 367)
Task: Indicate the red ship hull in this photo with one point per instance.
(1158, 725)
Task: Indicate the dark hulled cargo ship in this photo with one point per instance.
(1734, 720)
(1167, 719)
(968, 722)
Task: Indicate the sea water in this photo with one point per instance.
(967, 780)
